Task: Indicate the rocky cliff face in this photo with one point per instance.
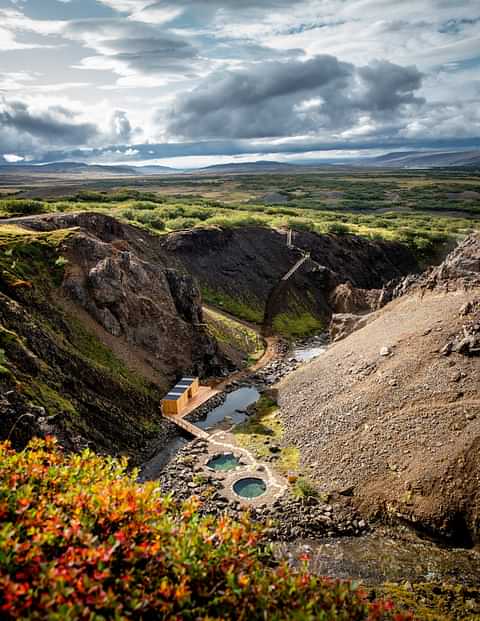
(94, 332)
(391, 413)
(240, 268)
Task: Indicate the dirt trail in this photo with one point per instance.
(271, 351)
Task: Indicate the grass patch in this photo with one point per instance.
(237, 307)
(3, 361)
(297, 326)
(304, 489)
(234, 334)
(30, 256)
(262, 430)
(97, 354)
(49, 398)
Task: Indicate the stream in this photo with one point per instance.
(387, 557)
(309, 351)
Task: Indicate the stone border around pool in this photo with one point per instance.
(223, 443)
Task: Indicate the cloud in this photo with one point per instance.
(388, 86)
(247, 76)
(120, 127)
(29, 129)
(55, 126)
(126, 6)
(278, 99)
(132, 48)
(11, 158)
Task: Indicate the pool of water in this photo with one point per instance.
(233, 407)
(250, 488)
(223, 463)
(309, 351)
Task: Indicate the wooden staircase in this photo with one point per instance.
(297, 266)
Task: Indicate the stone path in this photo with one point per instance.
(224, 442)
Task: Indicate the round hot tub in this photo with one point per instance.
(224, 462)
(250, 487)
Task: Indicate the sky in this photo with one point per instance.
(196, 82)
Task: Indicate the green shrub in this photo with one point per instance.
(301, 224)
(22, 206)
(237, 220)
(143, 205)
(304, 489)
(151, 219)
(128, 214)
(337, 228)
(180, 224)
(81, 539)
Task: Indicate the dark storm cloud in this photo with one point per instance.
(29, 131)
(277, 99)
(265, 82)
(389, 85)
(54, 126)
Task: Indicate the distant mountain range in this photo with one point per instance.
(79, 168)
(394, 160)
(248, 167)
(423, 159)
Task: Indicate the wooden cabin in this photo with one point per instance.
(181, 394)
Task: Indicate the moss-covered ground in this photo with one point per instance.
(235, 335)
(436, 602)
(261, 430)
(248, 311)
(297, 326)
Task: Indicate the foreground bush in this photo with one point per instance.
(80, 539)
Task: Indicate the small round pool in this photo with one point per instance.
(250, 488)
(224, 462)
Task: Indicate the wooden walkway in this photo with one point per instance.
(191, 428)
(205, 393)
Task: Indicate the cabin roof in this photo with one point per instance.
(179, 389)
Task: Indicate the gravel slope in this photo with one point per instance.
(386, 413)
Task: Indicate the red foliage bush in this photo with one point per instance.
(81, 539)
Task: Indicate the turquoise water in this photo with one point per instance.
(223, 463)
(250, 488)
